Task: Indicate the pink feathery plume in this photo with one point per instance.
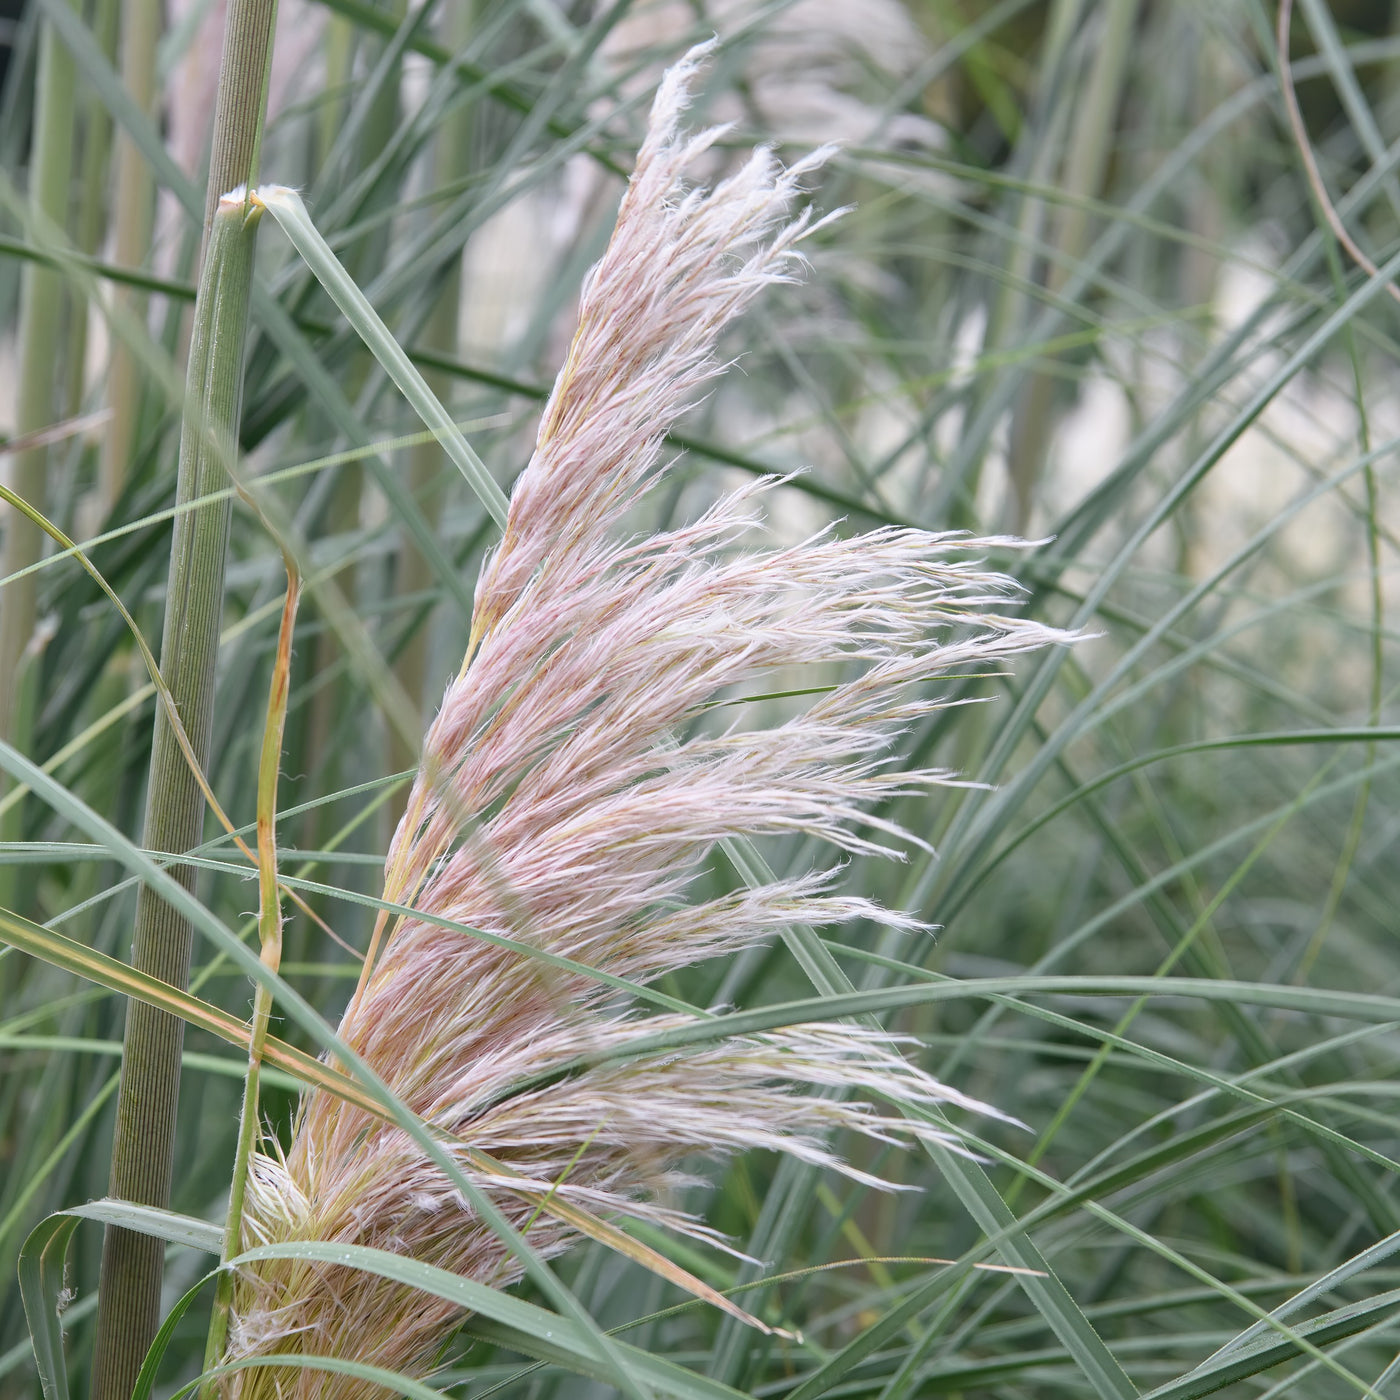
(573, 785)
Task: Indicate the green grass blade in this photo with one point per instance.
(41, 1266)
(664, 1377)
(286, 207)
(146, 1378)
(1334, 1326)
(393, 1382)
(1369, 1007)
(167, 1225)
(973, 1187)
(564, 1343)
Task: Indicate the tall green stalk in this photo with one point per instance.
(425, 460)
(133, 213)
(373, 131)
(90, 211)
(40, 316)
(415, 574)
(1090, 146)
(143, 1145)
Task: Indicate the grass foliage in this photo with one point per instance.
(1088, 292)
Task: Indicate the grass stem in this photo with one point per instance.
(133, 214)
(425, 458)
(1090, 146)
(142, 1149)
(143, 1143)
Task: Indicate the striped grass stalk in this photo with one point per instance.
(142, 1147)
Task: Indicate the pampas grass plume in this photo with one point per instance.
(571, 789)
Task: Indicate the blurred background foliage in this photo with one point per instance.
(1086, 292)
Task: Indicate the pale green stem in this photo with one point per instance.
(1010, 309)
(241, 104)
(40, 314)
(346, 503)
(143, 1143)
(425, 459)
(1090, 146)
(90, 220)
(135, 208)
(338, 50)
(415, 574)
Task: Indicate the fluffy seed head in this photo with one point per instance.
(576, 780)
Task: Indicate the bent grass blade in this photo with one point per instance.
(286, 207)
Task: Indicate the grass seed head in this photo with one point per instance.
(558, 806)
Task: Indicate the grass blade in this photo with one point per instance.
(41, 1264)
(286, 207)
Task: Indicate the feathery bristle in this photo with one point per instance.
(559, 805)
